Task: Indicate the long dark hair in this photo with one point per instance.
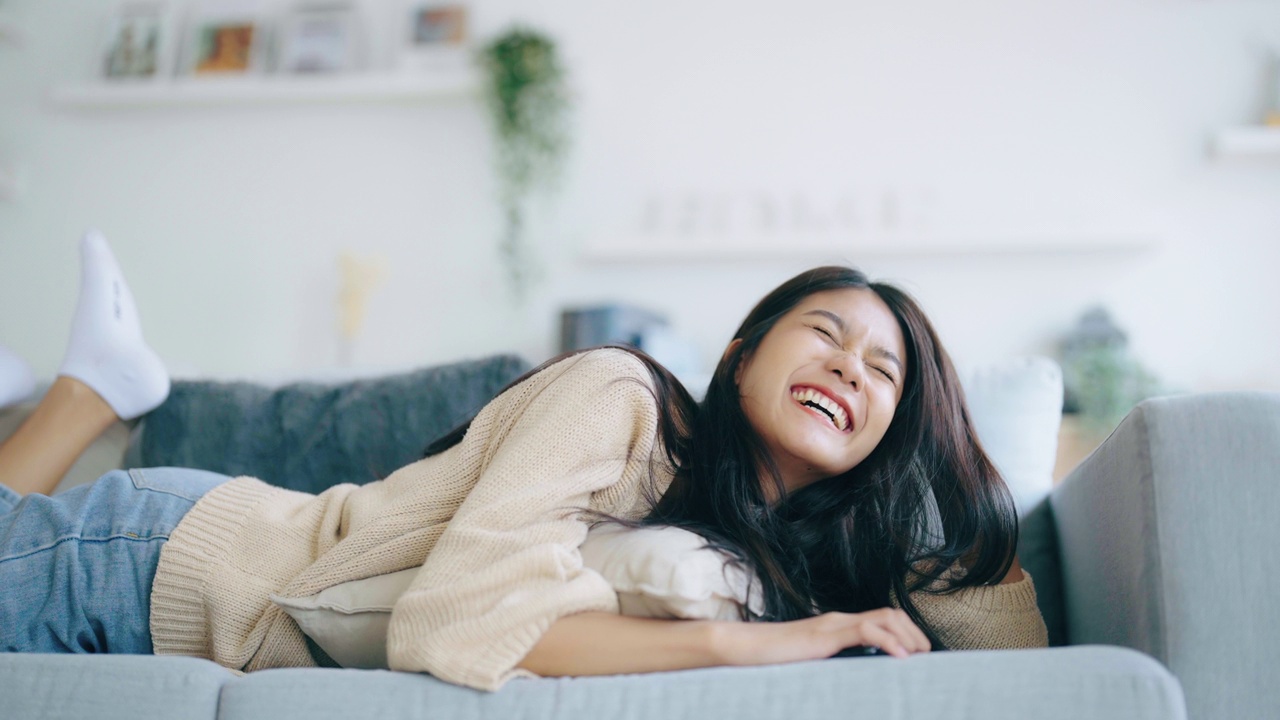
(926, 499)
(926, 510)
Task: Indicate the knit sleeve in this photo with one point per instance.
(986, 617)
(507, 565)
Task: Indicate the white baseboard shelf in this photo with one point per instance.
(266, 90)
(1255, 141)
(694, 249)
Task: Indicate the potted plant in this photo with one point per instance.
(528, 104)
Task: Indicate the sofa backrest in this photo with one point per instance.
(310, 436)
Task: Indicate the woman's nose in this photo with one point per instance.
(848, 368)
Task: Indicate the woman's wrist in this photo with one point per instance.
(722, 640)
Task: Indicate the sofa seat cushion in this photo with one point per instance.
(1048, 684)
(109, 687)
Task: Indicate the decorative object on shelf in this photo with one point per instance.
(619, 324)
(226, 39)
(136, 42)
(528, 102)
(622, 324)
(1271, 102)
(1101, 379)
(358, 278)
(434, 36)
(320, 39)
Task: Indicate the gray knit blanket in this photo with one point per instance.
(310, 436)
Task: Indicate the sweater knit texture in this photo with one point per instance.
(493, 525)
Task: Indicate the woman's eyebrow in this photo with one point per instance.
(879, 351)
(839, 321)
(888, 356)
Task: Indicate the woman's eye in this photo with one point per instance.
(888, 375)
(824, 331)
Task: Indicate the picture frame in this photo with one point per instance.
(225, 39)
(435, 35)
(319, 40)
(137, 43)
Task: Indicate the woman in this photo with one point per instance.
(833, 420)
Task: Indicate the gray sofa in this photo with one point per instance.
(1149, 561)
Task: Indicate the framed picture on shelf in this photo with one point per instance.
(225, 39)
(435, 36)
(320, 39)
(136, 43)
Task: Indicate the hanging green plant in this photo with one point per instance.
(528, 104)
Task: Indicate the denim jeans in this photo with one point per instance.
(76, 568)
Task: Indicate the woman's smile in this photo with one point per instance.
(832, 410)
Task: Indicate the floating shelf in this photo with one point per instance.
(827, 248)
(1256, 141)
(267, 90)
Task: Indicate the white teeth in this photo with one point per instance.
(839, 416)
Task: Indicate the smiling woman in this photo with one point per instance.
(844, 518)
(833, 460)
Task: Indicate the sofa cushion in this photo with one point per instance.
(1016, 405)
(311, 436)
(109, 687)
(1100, 683)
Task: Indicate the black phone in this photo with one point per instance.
(860, 651)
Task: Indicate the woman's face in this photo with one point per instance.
(822, 387)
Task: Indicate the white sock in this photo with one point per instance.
(106, 350)
(17, 382)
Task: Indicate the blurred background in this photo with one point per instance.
(1014, 165)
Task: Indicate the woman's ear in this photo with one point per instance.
(732, 344)
(737, 373)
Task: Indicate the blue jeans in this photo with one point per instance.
(76, 568)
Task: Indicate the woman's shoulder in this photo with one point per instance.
(598, 366)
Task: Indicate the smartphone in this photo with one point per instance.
(860, 651)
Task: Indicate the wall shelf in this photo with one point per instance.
(271, 89)
(827, 248)
(1249, 141)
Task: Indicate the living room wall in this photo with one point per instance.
(1080, 127)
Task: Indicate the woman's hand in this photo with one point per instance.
(818, 637)
(601, 643)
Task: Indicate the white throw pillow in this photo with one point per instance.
(1016, 405)
(668, 572)
(662, 572)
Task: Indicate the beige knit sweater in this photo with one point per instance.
(490, 522)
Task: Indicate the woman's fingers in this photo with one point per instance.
(889, 629)
(914, 637)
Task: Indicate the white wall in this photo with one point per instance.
(988, 119)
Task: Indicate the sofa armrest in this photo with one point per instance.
(1168, 535)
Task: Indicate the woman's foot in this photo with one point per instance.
(17, 382)
(107, 351)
